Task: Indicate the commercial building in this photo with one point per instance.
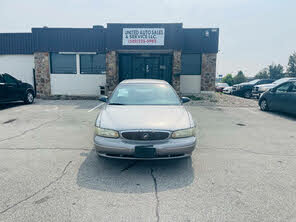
(91, 61)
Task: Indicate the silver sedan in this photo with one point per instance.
(144, 119)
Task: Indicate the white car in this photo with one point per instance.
(259, 89)
(227, 90)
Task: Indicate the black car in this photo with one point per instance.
(12, 89)
(280, 98)
(245, 89)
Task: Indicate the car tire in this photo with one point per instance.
(29, 97)
(264, 105)
(247, 94)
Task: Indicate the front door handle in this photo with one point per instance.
(147, 68)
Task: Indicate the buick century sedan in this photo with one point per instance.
(144, 119)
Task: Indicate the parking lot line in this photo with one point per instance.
(96, 107)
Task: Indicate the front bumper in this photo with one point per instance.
(257, 93)
(125, 149)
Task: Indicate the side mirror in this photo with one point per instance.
(103, 99)
(273, 90)
(185, 99)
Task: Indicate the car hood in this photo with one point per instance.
(26, 85)
(266, 85)
(144, 117)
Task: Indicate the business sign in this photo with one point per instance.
(143, 36)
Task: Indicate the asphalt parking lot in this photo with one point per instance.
(244, 169)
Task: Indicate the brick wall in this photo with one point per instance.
(41, 60)
(208, 72)
(112, 75)
(176, 70)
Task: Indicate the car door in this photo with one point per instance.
(12, 89)
(291, 99)
(279, 97)
(3, 91)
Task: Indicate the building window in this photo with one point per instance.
(63, 63)
(92, 64)
(191, 64)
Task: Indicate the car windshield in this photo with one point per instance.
(144, 94)
(280, 81)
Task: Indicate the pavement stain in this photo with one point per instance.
(130, 165)
(42, 200)
(241, 124)
(9, 121)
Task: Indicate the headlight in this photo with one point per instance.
(183, 133)
(106, 133)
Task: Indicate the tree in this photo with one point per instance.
(228, 79)
(276, 71)
(239, 78)
(263, 74)
(291, 69)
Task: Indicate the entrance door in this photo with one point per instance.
(135, 66)
(152, 68)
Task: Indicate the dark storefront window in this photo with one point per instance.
(191, 64)
(92, 64)
(63, 63)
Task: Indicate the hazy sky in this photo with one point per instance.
(253, 33)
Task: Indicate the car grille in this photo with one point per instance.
(145, 135)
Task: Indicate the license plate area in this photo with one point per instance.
(145, 151)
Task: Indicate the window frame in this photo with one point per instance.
(15, 81)
(62, 73)
(92, 54)
(284, 84)
(2, 80)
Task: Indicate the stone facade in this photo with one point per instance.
(43, 87)
(176, 70)
(112, 75)
(208, 72)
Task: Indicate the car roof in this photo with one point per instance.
(150, 81)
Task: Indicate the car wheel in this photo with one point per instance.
(247, 94)
(264, 105)
(29, 97)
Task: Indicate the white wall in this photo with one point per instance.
(190, 84)
(76, 84)
(19, 66)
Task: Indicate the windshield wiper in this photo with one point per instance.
(118, 104)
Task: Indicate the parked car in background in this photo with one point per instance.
(220, 86)
(280, 98)
(12, 89)
(227, 90)
(259, 89)
(245, 89)
(144, 119)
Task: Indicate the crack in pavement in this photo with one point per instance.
(129, 166)
(40, 190)
(26, 131)
(248, 151)
(156, 194)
